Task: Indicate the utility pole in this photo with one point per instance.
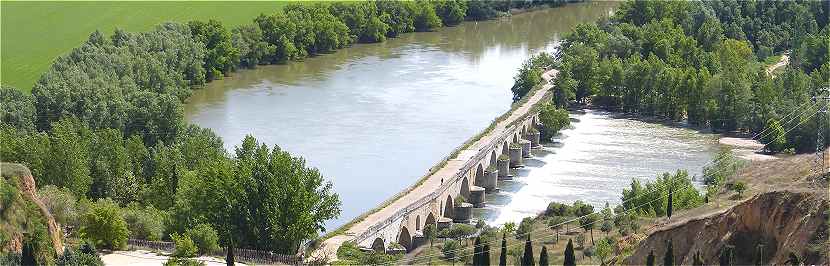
(821, 166)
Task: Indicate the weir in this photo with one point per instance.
(449, 194)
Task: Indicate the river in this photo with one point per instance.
(594, 160)
(375, 117)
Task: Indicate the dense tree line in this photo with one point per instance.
(103, 128)
(700, 62)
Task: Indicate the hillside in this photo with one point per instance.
(24, 215)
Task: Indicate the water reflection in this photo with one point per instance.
(375, 117)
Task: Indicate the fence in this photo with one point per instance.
(239, 254)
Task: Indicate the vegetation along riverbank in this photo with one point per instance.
(703, 63)
(103, 134)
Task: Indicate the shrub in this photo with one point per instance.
(105, 226)
(174, 261)
(147, 223)
(451, 250)
(204, 237)
(460, 199)
(60, 202)
(739, 187)
(185, 248)
(458, 231)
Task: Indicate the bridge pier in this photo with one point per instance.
(462, 213)
(477, 196)
(534, 137)
(516, 155)
(418, 239)
(525, 148)
(503, 166)
(491, 178)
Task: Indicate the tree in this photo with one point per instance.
(503, 253)
(543, 256)
(650, 258)
(229, 259)
(205, 238)
(604, 249)
(606, 227)
(570, 258)
(587, 223)
(553, 119)
(775, 140)
(105, 226)
(477, 251)
(556, 222)
(527, 258)
(485, 258)
(430, 232)
(668, 258)
(185, 248)
(739, 187)
(451, 250)
(669, 205)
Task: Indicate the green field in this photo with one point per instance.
(34, 33)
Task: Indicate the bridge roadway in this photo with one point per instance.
(434, 200)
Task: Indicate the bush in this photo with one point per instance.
(739, 187)
(451, 250)
(105, 226)
(147, 223)
(458, 231)
(205, 237)
(185, 248)
(60, 202)
(174, 261)
(460, 199)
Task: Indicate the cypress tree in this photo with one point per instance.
(503, 254)
(698, 260)
(485, 258)
(543, 257)
(570, 259)
(527, 258)
(669, 207)
(650, 258)
(668, 259)
(477, 252)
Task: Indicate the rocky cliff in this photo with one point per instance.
(25, 183)
(766, 227)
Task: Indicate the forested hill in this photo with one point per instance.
(103, 128)
(701, 61)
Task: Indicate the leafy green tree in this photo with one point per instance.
(60, 202)
(69, 157)
(221, 56)
(451, 250)
(604, 249)
(669, 204)
(570, 258)
(451, 12)
(145, 222)
(185, 247)
(430, 233)
(105, 226)
(556, 223)
(775, 140)
(205, 238)
(18, 109)
(587, 223)
(425, 17)
(253, 50)
(553, 119)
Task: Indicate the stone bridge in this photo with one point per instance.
(449, 194)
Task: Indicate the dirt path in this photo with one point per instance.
(434, 181)
(148, 258)
(785, 59)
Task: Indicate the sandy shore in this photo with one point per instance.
(746, 148)
(148, 258)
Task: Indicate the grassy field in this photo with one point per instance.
(34, 33)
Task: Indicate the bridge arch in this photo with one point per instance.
(430, 220)
(448, 207)
(515, 138)
(465, 188)
(378, 245)
(405, 239)
(417, 222)
(505, 149)
(493, 159)
(479, 177)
